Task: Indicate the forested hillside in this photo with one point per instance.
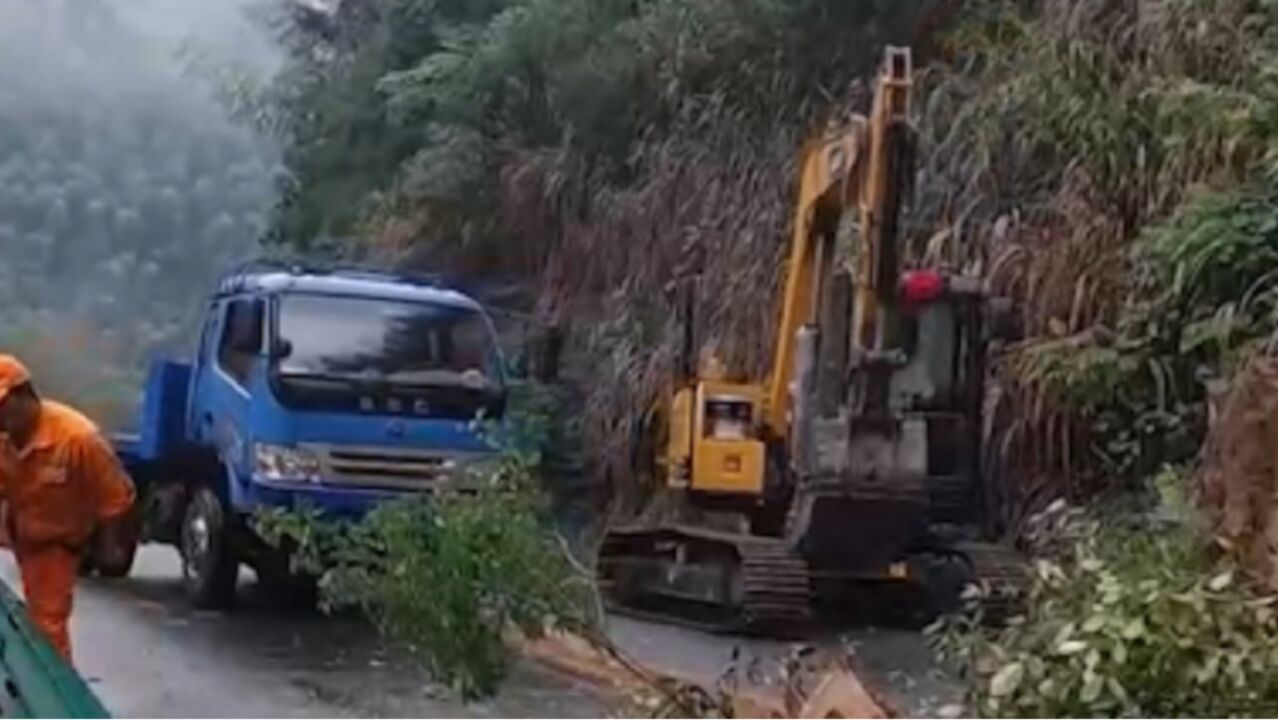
(1108, 164)
(1074, 152)
(123, 186)
(592, 150)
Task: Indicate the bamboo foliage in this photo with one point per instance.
(602, 149)
(1058, 137)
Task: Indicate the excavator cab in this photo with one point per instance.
(714, 448)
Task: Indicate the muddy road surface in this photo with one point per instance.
(147, 654)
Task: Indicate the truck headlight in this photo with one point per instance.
(279, 462)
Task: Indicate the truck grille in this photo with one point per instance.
(386, 468)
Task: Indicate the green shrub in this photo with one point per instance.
(447, 576)
(1123, 619)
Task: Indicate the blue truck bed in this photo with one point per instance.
(162, 426)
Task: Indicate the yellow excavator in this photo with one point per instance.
(858, 459)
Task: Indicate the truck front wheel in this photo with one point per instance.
(209, 565)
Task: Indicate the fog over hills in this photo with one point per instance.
(124, 187)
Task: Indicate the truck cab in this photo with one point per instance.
(330, 389)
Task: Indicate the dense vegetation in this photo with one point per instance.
(598, 150)
(1124, 154)
(1135, 204)
(1108, 164)
(1125, 619)
(437, 114)
(450, 575)
(591, 151)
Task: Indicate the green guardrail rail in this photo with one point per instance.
(35, 682)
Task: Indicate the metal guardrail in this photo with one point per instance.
(35, 682)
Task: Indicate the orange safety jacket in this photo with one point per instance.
(68, 480)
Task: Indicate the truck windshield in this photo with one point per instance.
(396, 342)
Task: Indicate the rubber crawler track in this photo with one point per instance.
(776, 591)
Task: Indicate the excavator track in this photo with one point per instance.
(707, 580)
(778, 589)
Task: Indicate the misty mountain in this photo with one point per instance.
(124, 188)
(122, 185)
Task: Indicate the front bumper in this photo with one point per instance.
(351, 479)
(341, 502)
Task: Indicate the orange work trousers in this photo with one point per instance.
(48, 582)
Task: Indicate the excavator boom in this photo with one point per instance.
(864, 166)
(827, 186)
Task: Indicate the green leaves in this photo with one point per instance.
(444, 577)
(1145, 625)
(447, 576)
(1222, 248)
(1007, 679)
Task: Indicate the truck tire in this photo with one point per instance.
(209, 565)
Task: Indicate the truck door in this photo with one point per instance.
(205, 355)
(223, 392)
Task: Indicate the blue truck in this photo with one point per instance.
(331, 388)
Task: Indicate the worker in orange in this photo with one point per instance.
(60, 482)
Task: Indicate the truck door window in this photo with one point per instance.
(241, 338)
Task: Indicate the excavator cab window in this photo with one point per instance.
(728, 418)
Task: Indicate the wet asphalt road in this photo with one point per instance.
(897, 664)
(147, 654)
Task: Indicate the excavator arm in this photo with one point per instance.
(860, 166)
